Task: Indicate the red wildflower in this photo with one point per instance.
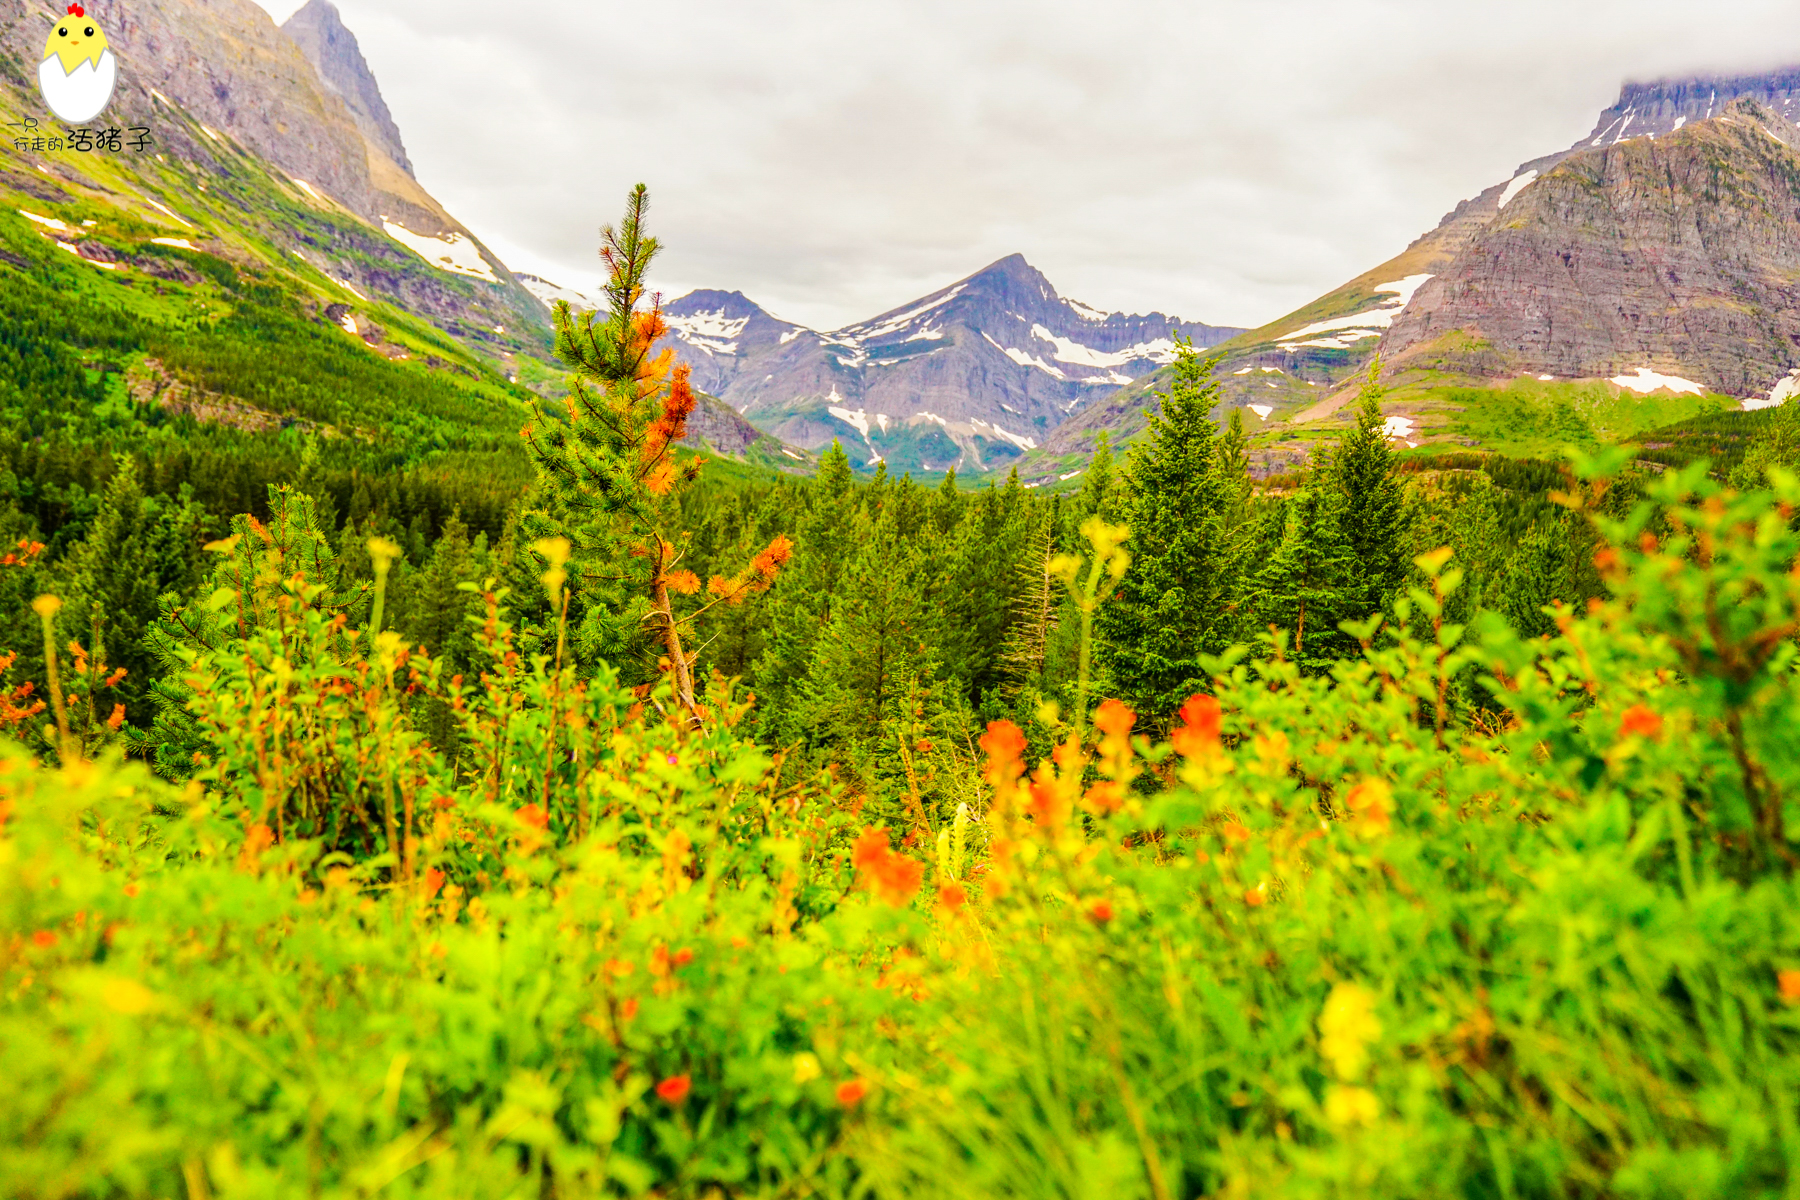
(1640, 721)
(1101, 912)
(1198, 732)
(851, 1092)
(675, 1088)
(683, 957)
(43, 939)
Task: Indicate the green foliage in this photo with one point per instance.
(1175, 608)
(1372, 512)
(1345, 943)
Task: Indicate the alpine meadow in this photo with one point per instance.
(461, 738)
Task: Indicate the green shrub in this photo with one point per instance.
(1331, 939)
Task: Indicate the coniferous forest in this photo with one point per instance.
(482, 811)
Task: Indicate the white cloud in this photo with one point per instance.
(1226, 161)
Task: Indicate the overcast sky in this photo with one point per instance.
(1221, 160)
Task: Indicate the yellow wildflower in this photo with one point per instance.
(1346, 1028)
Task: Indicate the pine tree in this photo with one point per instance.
(803, 607)
(1371, 502)
(1234, 465)
(948, 508)
(873, 649)
(1037, 608)
(1177, 602)
(136, 550)
(1534, 579)
(607, 466)
(1307, 588)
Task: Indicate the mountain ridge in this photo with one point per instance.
(319, 30)
(967, 377)
(1514, 275)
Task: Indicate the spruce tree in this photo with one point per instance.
(873, 649)
(1177, 602)
(1371, 502)
(1306, 589)
(803, 607)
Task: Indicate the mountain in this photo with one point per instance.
(223, 91)
(1646, 274)
(334, 53)
(1675, 255)
(969, 377)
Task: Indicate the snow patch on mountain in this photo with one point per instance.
(1518, 185)
(453, 253)
(1647, 381)
(549, 293)
(1339, 331)
(709, 332)
(1161, 350)
(1024, 357)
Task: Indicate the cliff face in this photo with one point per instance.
(1678, 253)
(333, 51)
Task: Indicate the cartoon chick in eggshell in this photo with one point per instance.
(78, 71)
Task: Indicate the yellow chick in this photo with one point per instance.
(79, 71)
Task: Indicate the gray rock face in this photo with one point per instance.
(968, 377)
(1668, 104)
(1678, 253)
(229, 68)
(333, 51)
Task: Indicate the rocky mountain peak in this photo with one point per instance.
(1665, 105)
(334, 52)
(730, 305)
(969, 376)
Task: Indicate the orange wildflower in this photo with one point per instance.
(1048, 805)
(1114, 719)
(952, 896)
(1790, 986)
(1640, 721)
(260, 838)
(535, 817)
(628, 1008)
(434, 879)
(683, 957)
(1198, 732)
(1101, 911)
(893, 878)
(43, 939)
(1004, 745)
(851, 1092)
(1106, 797)
(1371, 804)
(675, 1088)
